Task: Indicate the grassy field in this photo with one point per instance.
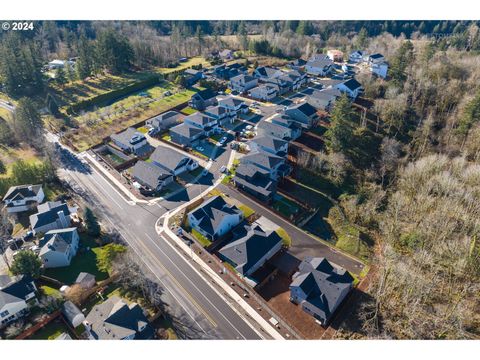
(96, 125)
(185, 65)
(188, 110)
(9, 155)
(50, 291)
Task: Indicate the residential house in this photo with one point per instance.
(130, 140)
(298, 64)
(319, 288)
(319, 65)
(203, 99)
(324, 99)
(280, 126)
(379, 69)
(192, 76)
(86, 280)
(202, 121)
(151, 176)
(270, 144)
(275, 165)
(214, 218)
(23, 198)
(265, 92)
(350, 87)
(335, 55)
(58, 247)
(227, 72)
(251, 248)
(242, 83)
(266, 72)
(17, 294)
(50, 216)
(284, 80)
(221, 114)
(356, 56)
(172, 161)
(114, 319)
(164, 121)
(226, 54)
(376, 59)
(185, 134)
(234, 104)
(304, 113)
(256, 181)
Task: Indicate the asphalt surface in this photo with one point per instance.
(203, 312)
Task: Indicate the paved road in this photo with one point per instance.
(4, 104)
(204, 313)
(303, 244)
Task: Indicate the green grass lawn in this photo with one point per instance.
(200, 238)
(287, 240)
(84, 261)
(166, 136)
(50, 291)
(188, 110)
(185, 65)
(247, 211)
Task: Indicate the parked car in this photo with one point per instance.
(151, 131)
(223, 169)
(223, 140)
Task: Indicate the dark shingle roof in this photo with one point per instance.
(48, 213)
(205, 94)
(128, 136)
(270, 142)
(199, 118)
(57, 240)
(16, 290)
(186, 130)
(376, 56)
(167, 157)
(352, 84)
(21, 192)
(264, 159)
(148, 174)
(246, 251)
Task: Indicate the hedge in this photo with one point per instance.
(113, 95)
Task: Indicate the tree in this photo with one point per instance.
(242, 36)
(60, 77)
(181, 81)
(470, 115)
(114, 51)
(91, 223)
(52, 105)
(401, 62)
(28, 122)
(26, 262)
(108, 254)
(361, 42)
(340, 133)
(3, 168)
(6, 135)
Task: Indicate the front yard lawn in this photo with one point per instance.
(188, 110)
(200, 238)
(287, 240)
(247, 211)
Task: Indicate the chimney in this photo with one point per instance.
(30, 187)
(64, 222)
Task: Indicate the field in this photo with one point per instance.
(9, 155)
(185, 65)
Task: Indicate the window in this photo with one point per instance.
(5, 313)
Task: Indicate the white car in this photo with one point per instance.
(248, 127)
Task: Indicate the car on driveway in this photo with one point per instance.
(223, 169)
(222, 141)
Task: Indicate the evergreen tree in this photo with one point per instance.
(340, 132)
(91, 223)
(401, 62)
(52, 105)
(60, 77)
(26, 262)
(28, 122)
(114, 52)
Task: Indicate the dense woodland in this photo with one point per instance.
(408, 171)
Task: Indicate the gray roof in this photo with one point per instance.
(320, 63)
(115, 319)
(84, 276)
(322, 283)
(186, 130)
(22, 191)
(199, 118)
(165, 116)
(352, 84)
(48, 213)
(128, 136)
(254, 178)
(167, 157)
(211, 213)
(270, 142)
(267, 71)
(216, 111)
(148, 174)
(230, 101)
(246, 78)
(246, 251)
(304, 107)
(205, 94)
(264, 159)
(270, 126)
(57, 240)
(16, 290)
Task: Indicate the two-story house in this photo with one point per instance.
(264, 92)
(270, 144)
(58, 247)
(202, 121)
(319, 65)
(50, 216)
(275, 165)
(130, 140)
(23, 198)
(163, 121)
(303, 113)
(172, 161)
(203, 99)
(242, 83)
(17, 295)
(234, 104)
(350, 87)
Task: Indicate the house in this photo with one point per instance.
(17, 295)
(379, 69)
(335, 55)
(375, 59)
(350, 87)
(266, 72)
(222, 115)
(265, 92)
(214, 218)
(164, 121)
(279, 127)
(59, 64)
(85, 280)
(256, 181)
(298, 64)
(284, 80)
(23, 198)
(319, 65)
(252, 247)
(203, 99)
(356, 56)
(324, 99)
(58, 247)
(114, 319)
(151, 176)
(172, 161)
(234, 104)
(275, 165)
(242, 83)
(226, 54)
(184, 134)
(50, 216)
(202, 121)
(129, 140)
(72, 314)
(192, 76)
(227, 72)
(270, 144)
(303, 113)
(319, 288)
